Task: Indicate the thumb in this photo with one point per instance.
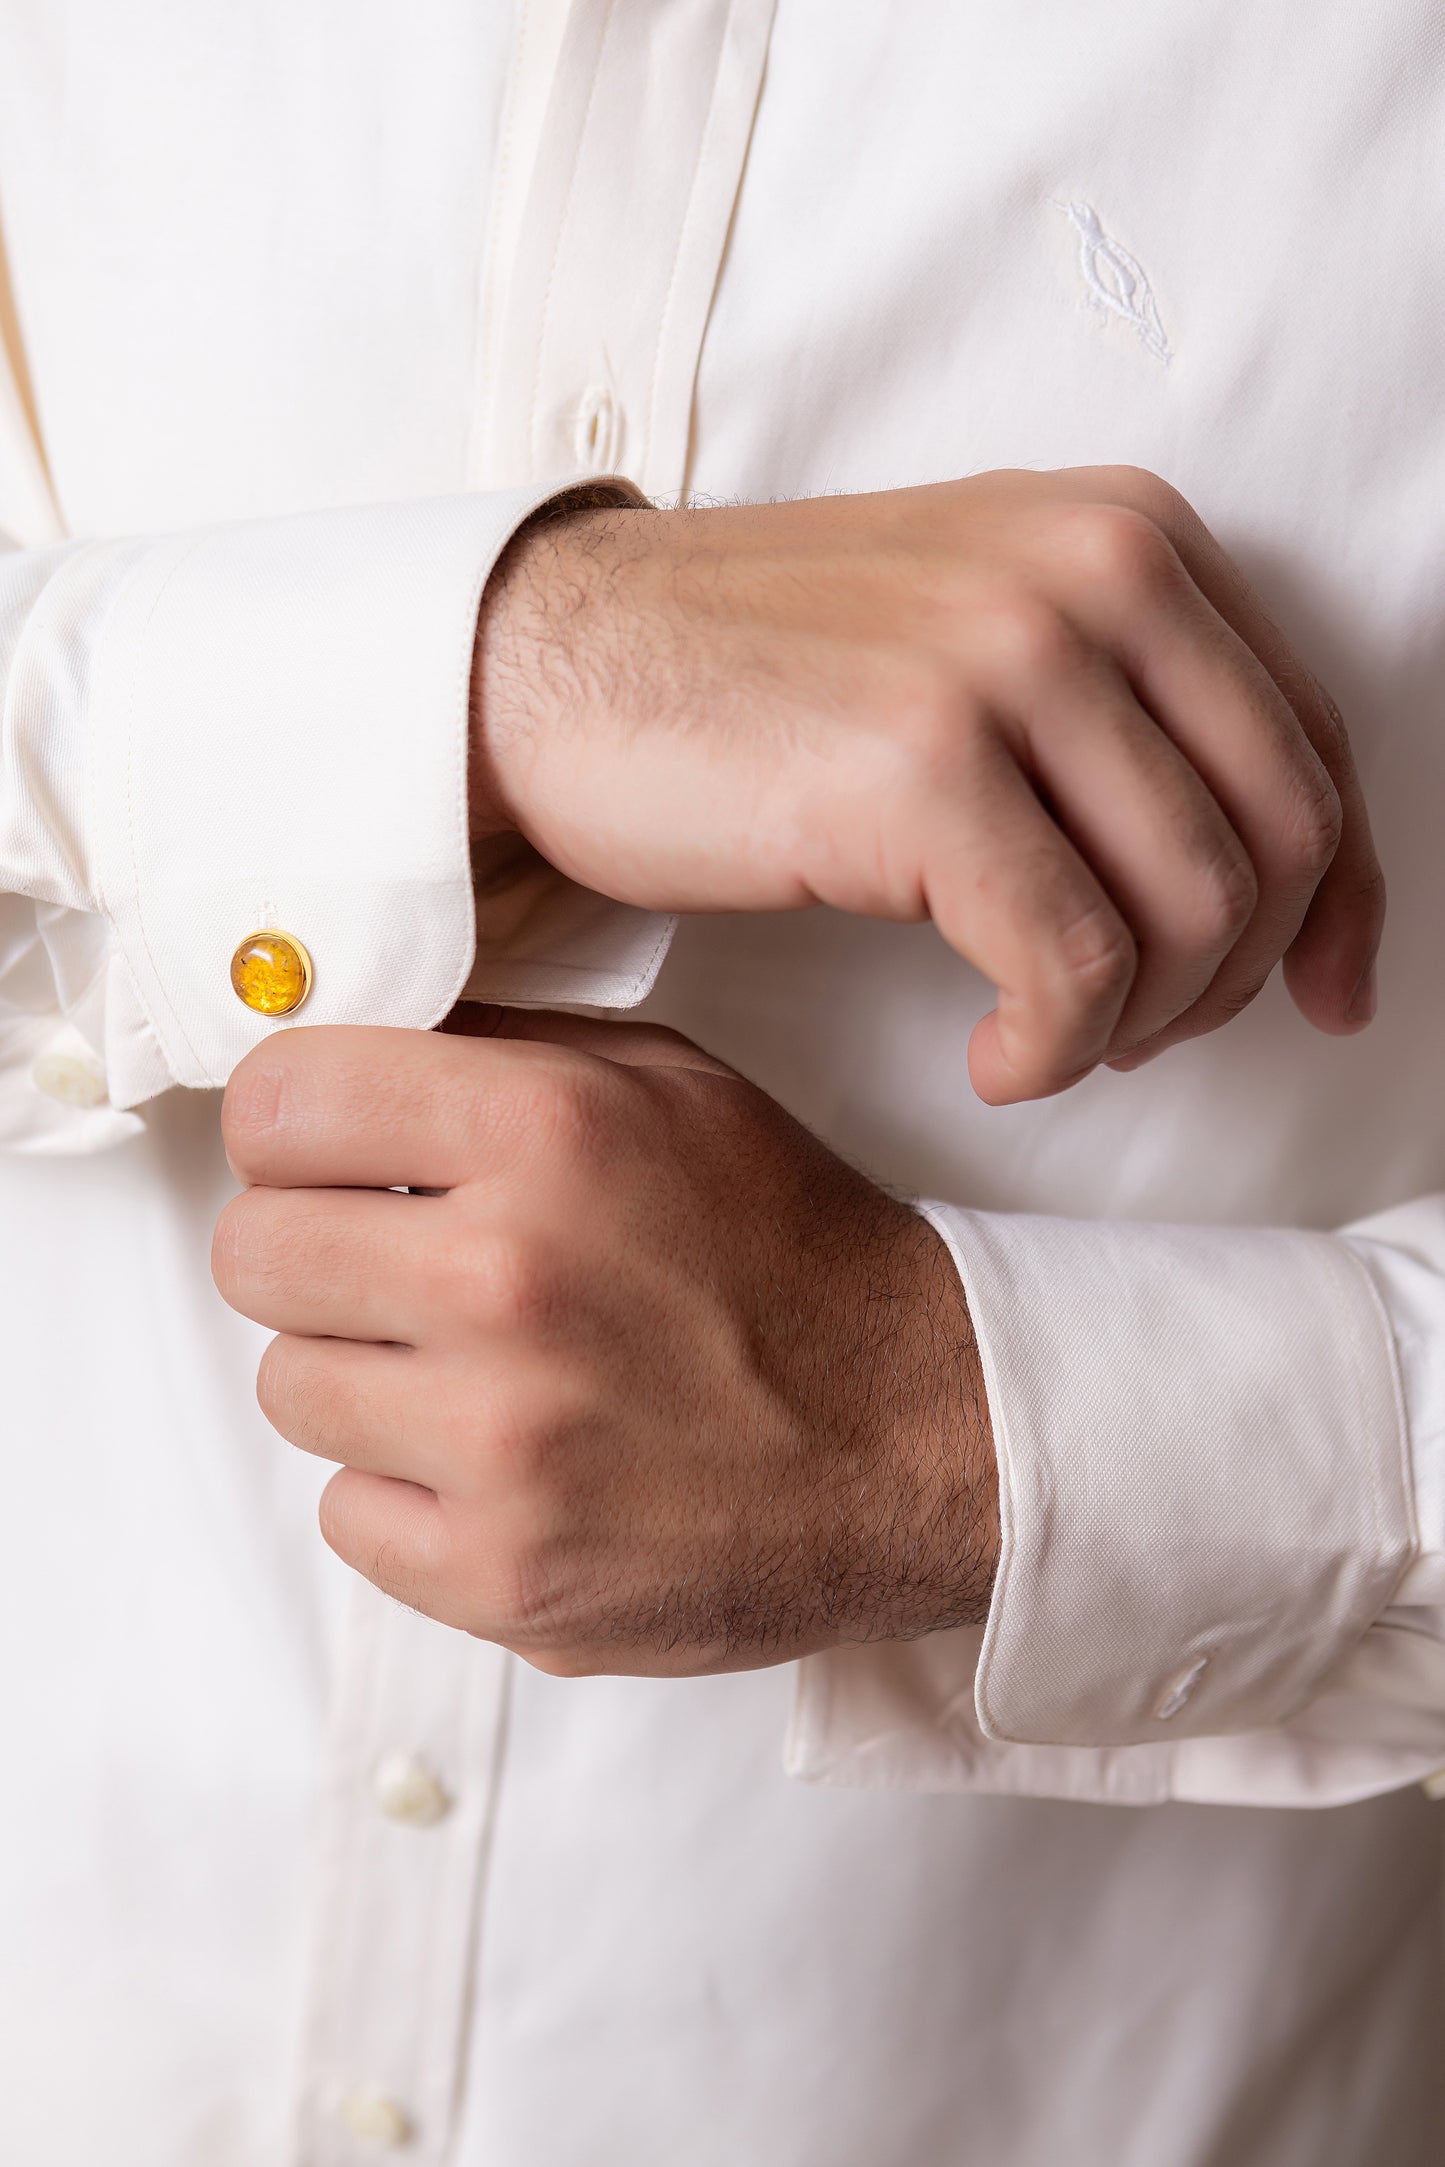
(631, 1045)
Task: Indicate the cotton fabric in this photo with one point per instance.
(310, 308)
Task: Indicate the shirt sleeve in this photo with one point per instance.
(250, 726)
(1222, 1494)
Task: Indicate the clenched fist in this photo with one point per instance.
(656, 1384)
(1044, 710)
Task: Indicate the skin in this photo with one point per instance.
(653, 1382)
(656, 1385)
(1044, 710)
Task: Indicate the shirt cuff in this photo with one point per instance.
(1273, 1430)
(544, 942)
(1203, 1467)
(278, 718)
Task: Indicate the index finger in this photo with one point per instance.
(370, 1107)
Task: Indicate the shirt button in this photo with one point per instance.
(375, 2119)
(406, 1790)
(596, 430)
(1434, 1786)
(75, 1079)
(271, 972)
(1182, 1690)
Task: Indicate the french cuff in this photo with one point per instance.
(278, 731)
(1204, 1484)
(545, 942)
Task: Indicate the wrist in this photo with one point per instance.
(913, 1535)
(946, 1541)
(524, 668)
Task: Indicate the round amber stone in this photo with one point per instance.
(271, 972)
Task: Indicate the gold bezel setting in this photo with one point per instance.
(283, 939)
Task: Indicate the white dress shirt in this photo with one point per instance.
(305, 307)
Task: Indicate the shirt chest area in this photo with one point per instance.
(258, 260)
(265, 262)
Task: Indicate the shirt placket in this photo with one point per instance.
(622, 148)
(418, 1736)
(606, 246)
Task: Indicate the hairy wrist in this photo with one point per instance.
(902, 1535)
(537, 616)
(938, 1547)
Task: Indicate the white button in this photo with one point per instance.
(406, 1790)
(1434, 1786)
(1181, 1691)
(375, 2119)
(74, 1078)
(596, 430)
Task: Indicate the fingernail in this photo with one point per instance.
(1366, 997)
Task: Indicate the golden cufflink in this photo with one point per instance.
(271, 972)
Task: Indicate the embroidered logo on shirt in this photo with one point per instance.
(1116, 280)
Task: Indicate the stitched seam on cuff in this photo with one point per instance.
(1350, 1261)
(1362, 1396)
(589, 971)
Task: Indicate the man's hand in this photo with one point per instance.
(1044, 710)
(658, 1385)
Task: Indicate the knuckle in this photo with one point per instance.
(1030, 638)
(1330, 733)
(1225, 1000)
(276, 1387)
(1098, 954)
(230, 1246)
(391, 1570)
(406, 1555)
(393, 1565)
(924, 716)
(343, 1523)
(299, 1403)
(1225, 899)
(567, 1108)
(1315, 827)
(252, 1109)
(515, 1450)
(1231, 1001)
(249, 1263)
(505, 1282)
(1141, 489)
(1058, 1033)
(333, 1515)
(1123, 550)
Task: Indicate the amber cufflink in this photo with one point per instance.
(271, 972)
